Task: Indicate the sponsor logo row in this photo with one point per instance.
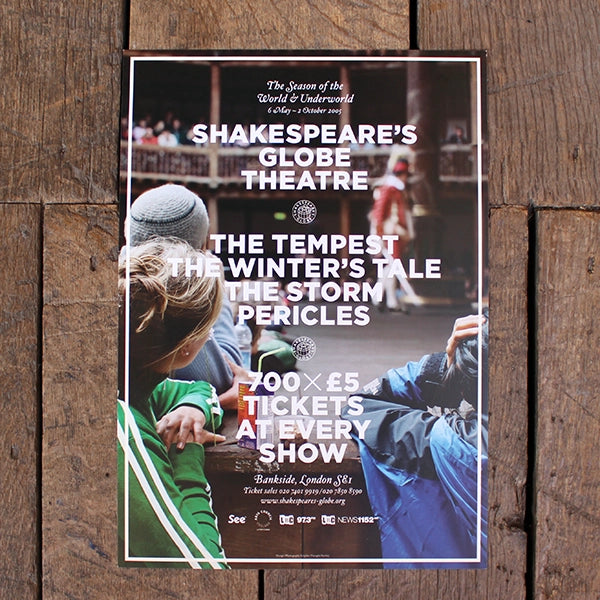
(263, 519)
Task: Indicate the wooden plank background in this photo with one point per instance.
(60, 65)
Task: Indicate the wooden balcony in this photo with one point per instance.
(220, 166)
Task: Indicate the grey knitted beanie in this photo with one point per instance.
(169, 211)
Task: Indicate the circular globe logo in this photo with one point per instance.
(304, 212)
(303, 348)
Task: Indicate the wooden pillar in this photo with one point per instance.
(474, 114)
(346, 89)
(421, 112)
(212, 207)
(215, 119)
(345, 120)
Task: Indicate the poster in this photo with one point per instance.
(344, 200)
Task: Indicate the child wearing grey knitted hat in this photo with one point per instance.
(169, 211)
(174, 211)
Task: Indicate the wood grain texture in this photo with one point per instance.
(58, 144)
(263, 24)
(508, 434)
(543, 92)
(568, 413)
(19, 374)
(59, 116)
(79, 384)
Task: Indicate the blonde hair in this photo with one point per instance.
(167, 311)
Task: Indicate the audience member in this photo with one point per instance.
(165, 502)
(174, 211)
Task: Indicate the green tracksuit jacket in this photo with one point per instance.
(165, 510)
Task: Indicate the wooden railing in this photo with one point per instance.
(458, 163)
(193, 164)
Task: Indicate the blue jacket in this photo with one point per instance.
(422, 470)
